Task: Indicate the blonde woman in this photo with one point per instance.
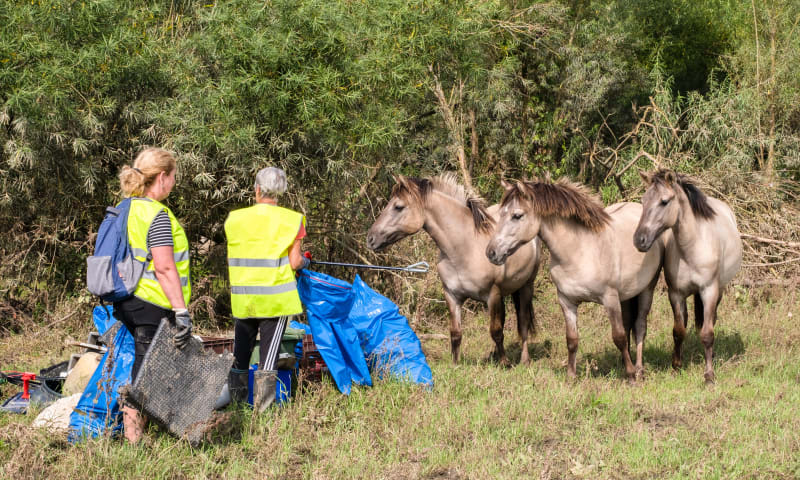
(155, 236)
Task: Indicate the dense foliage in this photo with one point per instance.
(344, 94)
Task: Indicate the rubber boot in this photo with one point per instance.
(264, 384)
(132, 423)
(237, 385)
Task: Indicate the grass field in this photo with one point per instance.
(483, 421)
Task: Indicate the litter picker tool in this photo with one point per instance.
(419, 267)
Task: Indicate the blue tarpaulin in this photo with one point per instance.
(98, 407)
(328, 301)
(352, 324)
(386, 338)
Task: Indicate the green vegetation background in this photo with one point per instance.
(345, 94)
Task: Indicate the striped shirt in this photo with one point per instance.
(160, 232)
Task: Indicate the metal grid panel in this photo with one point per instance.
(178, 388)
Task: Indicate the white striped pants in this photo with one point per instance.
(270, 331)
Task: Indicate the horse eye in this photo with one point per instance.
(399, 207)
(665, 201)
(516, 216)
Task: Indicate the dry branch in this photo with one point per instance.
(453, 123)
(747, 236)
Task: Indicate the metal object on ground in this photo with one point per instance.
(419, 267)
(178, 388)
(218, 344)
(312, 366)
(89, 346)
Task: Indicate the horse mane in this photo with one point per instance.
(418, 190)
(697, 199)
(561, 198)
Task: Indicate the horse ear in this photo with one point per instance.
(646, 177)
(670, 177)
(505, 185)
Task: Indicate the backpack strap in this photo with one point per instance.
(149, 256)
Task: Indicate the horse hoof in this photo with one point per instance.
(639, 374)
(710, 378)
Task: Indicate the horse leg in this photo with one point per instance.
(497, 320)
(614, 310)
(570, 311)
(698, 312)
(710, 298)
(628, 309)
(523, 299)
(645, 301)
(454, 306)
(678, 303)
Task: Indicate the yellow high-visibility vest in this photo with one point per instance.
(143, 212)
(262, 279)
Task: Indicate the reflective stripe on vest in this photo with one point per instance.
(258, 262)
(151, 275)
(143, 212)
(261, 276)
(286, 287)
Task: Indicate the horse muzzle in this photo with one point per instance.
(642, 241)
(494, 256)
(374, 244)
(380, 242)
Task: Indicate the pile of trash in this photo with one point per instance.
(353, 333)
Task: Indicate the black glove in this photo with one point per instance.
(184, 323)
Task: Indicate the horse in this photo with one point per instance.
(591, 257)
(460, 224)
(703, 252)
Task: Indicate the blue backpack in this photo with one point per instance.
(112, 273)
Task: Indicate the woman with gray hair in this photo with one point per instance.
(264, 243)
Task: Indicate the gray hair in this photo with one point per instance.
(271, 181)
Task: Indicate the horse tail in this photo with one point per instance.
(698, 311)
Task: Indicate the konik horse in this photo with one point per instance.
(591, 257)
(460, 224)
(703, 252)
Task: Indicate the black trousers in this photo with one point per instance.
(244, 340)
(142, 320)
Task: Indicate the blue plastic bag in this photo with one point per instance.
(386, 337)
(351, 322)
(98, 408)
(103, 318)
(328, 301)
